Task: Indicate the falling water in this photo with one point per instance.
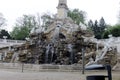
(71, 52)
(52, 53)
(46, 53)
(14, 57)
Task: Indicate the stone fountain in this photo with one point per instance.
(62, 44)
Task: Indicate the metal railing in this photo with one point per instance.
(11, 41)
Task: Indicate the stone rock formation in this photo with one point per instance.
(63, 43)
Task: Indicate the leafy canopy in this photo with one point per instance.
(4, 33)
(77, 16)
(114, 30)
(23, 27)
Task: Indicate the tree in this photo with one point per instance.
(47, 19)
(20, 33)
(102, 24)
(90, 24)
(28, 21)
(4, 33)
(115, 30)
(2, 20)
(77, 16)
(23, 26)
(105, 34)
(98, 28)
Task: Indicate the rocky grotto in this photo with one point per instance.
(62, 43)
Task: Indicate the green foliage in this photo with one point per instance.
(25, 23)
(114, 30)
(23, 27)
(4, 33)
(77, 16)
(105, 34)
(98, 28)
(20, 33)
(15, 33)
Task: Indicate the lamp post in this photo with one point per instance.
(83, 61)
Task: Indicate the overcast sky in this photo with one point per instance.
(12, 9)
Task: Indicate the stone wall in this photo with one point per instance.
(43, 67)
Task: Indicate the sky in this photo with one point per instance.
(12, 9)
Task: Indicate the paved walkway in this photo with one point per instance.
(15, 74)
(28, 75)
